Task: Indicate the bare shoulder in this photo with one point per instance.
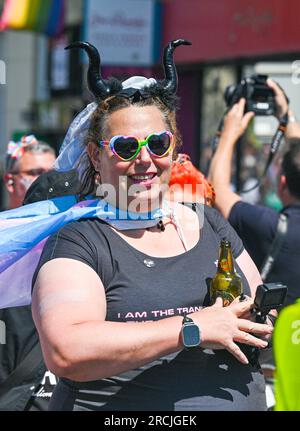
(70, 290)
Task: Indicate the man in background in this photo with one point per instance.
(257, 224)
(25, 161)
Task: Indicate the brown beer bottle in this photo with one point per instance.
(227, 283)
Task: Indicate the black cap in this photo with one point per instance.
(52, 184)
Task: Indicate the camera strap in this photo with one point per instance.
(276, 141)
(276, 245)
(216, 138)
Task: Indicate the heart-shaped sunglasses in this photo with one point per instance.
(128, 147)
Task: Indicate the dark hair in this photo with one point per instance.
(294, 141)
(291, 169)
(97, 130)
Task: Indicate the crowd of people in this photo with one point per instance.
(120, 296)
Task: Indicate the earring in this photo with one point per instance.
(97, 179)
(98, 184)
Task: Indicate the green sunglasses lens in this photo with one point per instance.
(159, 144)
(126, 148)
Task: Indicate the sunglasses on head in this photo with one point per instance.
(128, 147)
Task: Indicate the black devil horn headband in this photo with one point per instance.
(102, 89)
(171, 81)
(98, 86)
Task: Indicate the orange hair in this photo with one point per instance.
(184, 172)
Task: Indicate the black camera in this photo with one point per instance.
(269, 296)
(260, 98)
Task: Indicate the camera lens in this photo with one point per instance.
(228, 95)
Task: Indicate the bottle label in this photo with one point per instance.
(226, 297)
(224, 264)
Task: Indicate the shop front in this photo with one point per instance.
(230, 39)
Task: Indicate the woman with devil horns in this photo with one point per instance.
(120, 302)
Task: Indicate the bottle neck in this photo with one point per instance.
(225, 263)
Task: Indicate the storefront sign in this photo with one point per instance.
(231, 29)
(126, 32)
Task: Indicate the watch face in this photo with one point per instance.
(190, 335)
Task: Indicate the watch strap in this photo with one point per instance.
(186, 319)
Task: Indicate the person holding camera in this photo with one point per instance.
(257, 225)
(272, 239)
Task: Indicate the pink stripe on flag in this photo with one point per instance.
(15, 281)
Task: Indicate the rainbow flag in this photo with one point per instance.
(43, 16)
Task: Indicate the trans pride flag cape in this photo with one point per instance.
(24, 231)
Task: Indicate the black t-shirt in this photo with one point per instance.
(19, 336)
(138, 291)
(257, 225)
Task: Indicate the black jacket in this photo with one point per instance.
(20, 336)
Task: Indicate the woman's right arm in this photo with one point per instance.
(69, 309)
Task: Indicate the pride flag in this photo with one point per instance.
(24, 230)
(43, 16)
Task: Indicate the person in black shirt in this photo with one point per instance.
(110, 296)
(257, 224)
